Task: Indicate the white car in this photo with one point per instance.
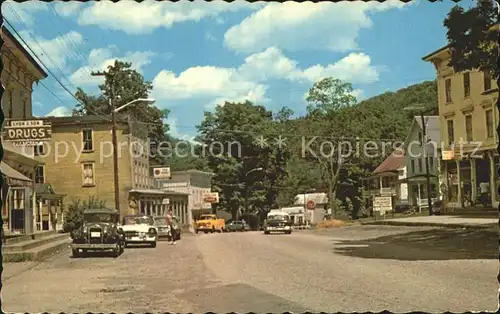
(139, 229)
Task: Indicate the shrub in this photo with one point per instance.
(74, 212)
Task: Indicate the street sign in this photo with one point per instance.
(382, 204)
(165, 201)
(448, 155)
(27, 132)
(311, 205)
(212, 197)
(161, 173)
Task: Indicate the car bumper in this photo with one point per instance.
(277, 229)
(138, 239)
(101, 246)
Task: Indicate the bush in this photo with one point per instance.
(74, 213)
(332, 223)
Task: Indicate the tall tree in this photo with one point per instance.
(473, 37)
(123, 84)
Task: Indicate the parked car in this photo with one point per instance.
(100, 232)
(139, 229)
(210, 223)
(161, 225)
(237, 226)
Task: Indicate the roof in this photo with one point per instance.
(393, 162)
(100, 210)
(12, 173)
(20, 47)
(427, 57)
(45, 189)
(91, 119)
(318, 198)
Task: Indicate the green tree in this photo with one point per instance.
(74, 212)
(473, 37)
(123, 84)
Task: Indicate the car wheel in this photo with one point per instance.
(153, 245)
(116, 250)
(122, 248)
(266, 232)
(289, 232)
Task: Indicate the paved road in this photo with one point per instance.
(349, 269)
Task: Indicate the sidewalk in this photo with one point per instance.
(448, 221)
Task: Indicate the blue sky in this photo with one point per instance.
(200, 54)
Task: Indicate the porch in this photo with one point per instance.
(49, 208)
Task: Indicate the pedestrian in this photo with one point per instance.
(484, 188)
(169, 219)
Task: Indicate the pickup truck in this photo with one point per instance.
(210, 223)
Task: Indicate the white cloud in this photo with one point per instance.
(22, 12)
(140, 18)
(298, 26)
(100, 58)
(59, 112)
(174, 131)
(217, 85)
(67, 8)
(53, 52)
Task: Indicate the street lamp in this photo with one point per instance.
(422, 109)
(246, 185)
(113, 133)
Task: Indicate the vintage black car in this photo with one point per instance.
(100, 232)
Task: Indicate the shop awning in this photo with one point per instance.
(418, 177)
(157, 192)
(11, 173)
(46, 191)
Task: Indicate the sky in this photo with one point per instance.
(199, 55)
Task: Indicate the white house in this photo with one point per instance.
(416, 162)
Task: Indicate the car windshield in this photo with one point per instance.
(137, 221)
(160, 221)
(277, 217)
(236, 222)
(98, 217)
(206, 217)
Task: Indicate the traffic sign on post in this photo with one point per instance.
(311, 205)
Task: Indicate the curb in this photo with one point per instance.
(487, 228)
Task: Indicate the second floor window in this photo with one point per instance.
(466, 84)
(420, 165)
(413, 165)
(88, 174)
(451, 135)
(489, 123)
(447, 85)
(40, 174)
(487, 80)
(87, 140)
(39, 150)
(468, 128)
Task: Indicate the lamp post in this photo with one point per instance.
(113, 134)
(246, 186)
(421, 109)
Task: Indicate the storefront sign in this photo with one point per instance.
(27, 132)
(165, 201)
(448, 154)
(161, 173)
(16, 182)
(211, 198)
(382, 204)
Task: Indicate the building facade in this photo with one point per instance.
(388, 180)
(21, 203)
(196, 184)
(468, 120)
(415, 160)
(79, 163)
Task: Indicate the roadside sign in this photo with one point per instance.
(161, 173)
(165, 201)
(382, 204)
(448, 155)
(211, 198)
(27, 132)
(311, 205)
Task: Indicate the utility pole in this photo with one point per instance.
(427, 172)
(115, 141)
